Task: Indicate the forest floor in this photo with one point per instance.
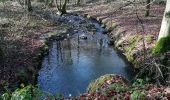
(20, 43)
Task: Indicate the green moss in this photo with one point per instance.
(32, 24)
(149, 38)
(94, 85)
(104, 21)
(99, 19)
(88, 16)
(111, 26)
(162, 45)
(117, 84)
(132, 42)
(167, 14)
(136, 62)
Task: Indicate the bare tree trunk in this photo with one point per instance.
(40, 0)
(147, 8)
(28, 3)
(165, 27)
(63, 11)
(162, 44)
(62, 7)
(78, 2)
(53, 3)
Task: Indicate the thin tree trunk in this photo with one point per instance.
(78, 2)
(147, 8)
(53, 3)
(64, 7)
(28, 3)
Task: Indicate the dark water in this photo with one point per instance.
(74, 62)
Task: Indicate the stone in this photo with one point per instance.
(105, 32)
(83, 36)
(4, 22)
(167, 91)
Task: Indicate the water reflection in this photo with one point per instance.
(72, 63)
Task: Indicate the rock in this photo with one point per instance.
(167, 92)
(83, 36)
(76, 31)
(68, 35)
(103, 83)
(4, 22)
(82, 22)
(111, 42)
(103, 26)
(104, 32)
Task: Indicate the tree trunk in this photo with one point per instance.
(163, 43)
(53, 3)
(165, 27)
(62, 8)
(28, 3)
(78, 2)
(40, 0)
(63, 11)
(147, 8)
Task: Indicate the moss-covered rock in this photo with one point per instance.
(167, 14)
(162, 45)
(112, 81)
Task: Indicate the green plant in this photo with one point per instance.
(22, 75)
(118, 87)
(138, 82)
(59, 96)
(5, 96)
(138, 95)
(149, 38)
(49, 96)
(26, 93)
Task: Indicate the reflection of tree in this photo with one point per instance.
(59, 56)
(78, 48)
(63, 52)
(50, 54)
(99, 46)
(98, 52)
(67, 55)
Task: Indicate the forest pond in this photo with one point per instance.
(73, 62)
